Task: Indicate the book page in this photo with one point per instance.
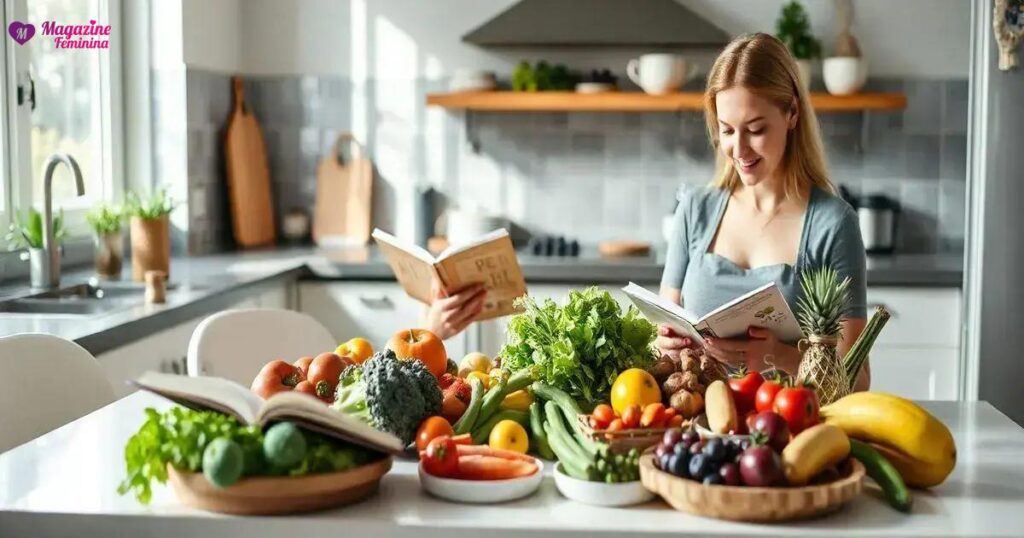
(660, 310)
(763, 307)
(315, 415)
(493, 263)
(413, 266)
(486, 238)
(213, 393)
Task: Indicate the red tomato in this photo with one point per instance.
(744, 387)
(430, 429)
(799, 406)
(441, 457)
(765, 396)
(631, 417)
(604, 414)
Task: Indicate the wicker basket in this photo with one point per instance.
(624, 440)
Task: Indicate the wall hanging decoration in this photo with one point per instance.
(1008, 25)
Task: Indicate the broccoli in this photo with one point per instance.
(390, 394)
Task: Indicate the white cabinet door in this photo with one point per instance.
(919, 316)
(372, 310)
(916, 373)
(278, 296)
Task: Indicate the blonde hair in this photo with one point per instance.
(762, 64)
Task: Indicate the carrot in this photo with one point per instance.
(464, 439)
(484, 450)
(475, 467)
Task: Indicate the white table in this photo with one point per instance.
(63, 484)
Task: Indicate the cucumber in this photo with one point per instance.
(561, 435)
(223, 462)
(483, 431)
(465, 423)
(540, 438)
(565, 455)
(570, 409)
(492, 401)
(283, 445)
(519, 381)
(883, 472)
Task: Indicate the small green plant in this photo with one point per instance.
(155, 206)
(105, 219)
(793, 29)
(27, 231)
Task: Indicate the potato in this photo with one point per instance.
(688, 362)
(662, 369)
(690, 381)
(673, 384)
(720, 408)
(687, 404)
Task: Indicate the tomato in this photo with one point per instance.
(324, 371)
(799, 406)
(441, 458)
(631, 417)
(596, 424)
(744, 387)
(653, 415)
(303, 365)
(307, 387)
(430, 429)
(765, 397)
(604, 413)
(276, 376)
(615, 425)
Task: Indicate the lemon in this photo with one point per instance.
(509, 435)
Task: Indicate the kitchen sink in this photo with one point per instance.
(58, 307)
(77, 300)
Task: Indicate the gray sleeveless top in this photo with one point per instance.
(830, 236)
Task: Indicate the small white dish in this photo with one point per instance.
(481, 491)
(594, 87)
(601, 493)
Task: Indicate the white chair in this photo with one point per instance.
(235, 344)
(47, 382)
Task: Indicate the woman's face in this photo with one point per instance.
(752, 133)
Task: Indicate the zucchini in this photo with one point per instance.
(519, 381)
(570, 409)
(566, 456)
(883, 472)
(483, 430)
(539, 437)
(561, 435)
(492, 401)
(465, 423)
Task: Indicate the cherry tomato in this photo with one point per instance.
(799, 406)
(653, 415)
(441, 458)
(631, 417)
(765, 397)
(430, 429)
(604, 413)
(744, 387)
(615, 425)
(596, 423)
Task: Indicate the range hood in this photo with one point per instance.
(598, 23)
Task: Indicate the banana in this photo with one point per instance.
(812, 451)
(922, 445)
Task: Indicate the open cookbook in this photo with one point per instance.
(489, 259)
(763, 307)
(230, 398)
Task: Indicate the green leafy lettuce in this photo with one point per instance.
(579, 347)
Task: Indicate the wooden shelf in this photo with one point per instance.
(506, 101)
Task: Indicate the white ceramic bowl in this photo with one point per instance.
(844, 75)
(601, 493)
(481, 491)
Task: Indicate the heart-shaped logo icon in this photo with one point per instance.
(21, 31)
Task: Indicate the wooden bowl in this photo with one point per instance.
(279, 495)
(753, 504)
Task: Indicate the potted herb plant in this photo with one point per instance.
(106, 220)
(26, 232)
(794, 29)
(150, 232)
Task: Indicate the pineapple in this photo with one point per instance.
(822, 309)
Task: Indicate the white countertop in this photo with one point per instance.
(63, 484)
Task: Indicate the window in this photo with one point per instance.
(74, 82)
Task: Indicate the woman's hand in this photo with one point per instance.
(751, 351)
(450, 315)
(670, 343)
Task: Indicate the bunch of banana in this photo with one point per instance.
(916, 443)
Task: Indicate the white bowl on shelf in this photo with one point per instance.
(601, 493)
(482, 491)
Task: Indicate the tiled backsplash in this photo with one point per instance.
(590, 175)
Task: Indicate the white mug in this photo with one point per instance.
(660, 73)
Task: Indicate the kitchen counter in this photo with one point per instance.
(64, 482)
(205, 284)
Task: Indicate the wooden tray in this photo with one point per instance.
(753, 504)
(279, 495)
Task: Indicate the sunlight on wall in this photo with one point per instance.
(359, 72)
(434, 136)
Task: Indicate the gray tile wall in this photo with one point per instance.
(589, 175)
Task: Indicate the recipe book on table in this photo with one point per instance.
(763, 307)
(489, 259)
(230, 398)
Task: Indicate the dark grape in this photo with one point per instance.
(663, 462)
(696, 448)
(730, 473)
(661, 450)
(713, 479)
(699, 466)
(715, 450)
(677, 465)
(691, 437)
(680, 448)
(672, 437)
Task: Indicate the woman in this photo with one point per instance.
(449, 315)
(770, 213)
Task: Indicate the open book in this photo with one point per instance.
(763, 307)
(489, 259)
(230, 398)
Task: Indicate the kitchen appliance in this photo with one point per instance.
(252, 208)
(344, 191)
(877, 215)
(552, 246)
(660, 73)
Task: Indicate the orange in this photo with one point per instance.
(509, 435)
(422, 345)
(358, 349)
(634, 387)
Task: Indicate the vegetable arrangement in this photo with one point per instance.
(581, 347)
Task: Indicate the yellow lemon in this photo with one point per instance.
(474, 362)
(634, 387)
(357, 349)
(484, 378)
(509, 435)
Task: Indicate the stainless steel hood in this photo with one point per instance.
(598, 23)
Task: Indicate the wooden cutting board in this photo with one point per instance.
(344, 190)
(251, 202)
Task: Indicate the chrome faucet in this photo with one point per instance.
(46, 271)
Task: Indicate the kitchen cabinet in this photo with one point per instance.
(916, 356)
(373, 310)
